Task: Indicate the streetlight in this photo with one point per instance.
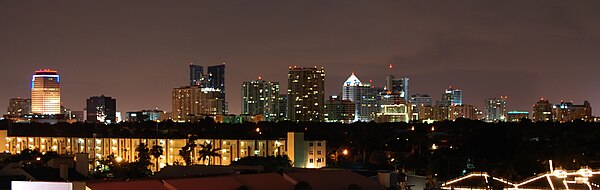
(345, 152)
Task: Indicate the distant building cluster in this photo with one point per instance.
(304, 100)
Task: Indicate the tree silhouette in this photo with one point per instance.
(186, 151)
(156, 151)
(208, 152)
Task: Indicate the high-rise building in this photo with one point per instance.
(398, 86)
(214, 78)
(191, 103)
(567, 111)
(306, 94)
(367, 104)
(101, 109)
(426, 112)
(418, 100)
(18, 107)
(338, 110)
(463, 111)
(283, 103)
(196, 75)
(452, 97)
(45, 92)
(260, 97)
(495, 109)
(350, 88)
(542, 111)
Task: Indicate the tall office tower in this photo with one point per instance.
(567, 112)
(542, 111)
(283, 103)
(452, 97)
(306, 94)
(350, 88)
(216, 80)
(338, 110)
(18, 107)
(495, 109)
(351, 92)
(367, 103)
(191, 103)
(260, 97)
(45, 92)
(398, 86)
(101, 109)
(196, 75)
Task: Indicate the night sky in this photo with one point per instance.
(137, 51)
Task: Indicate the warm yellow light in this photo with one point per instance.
(345, 152)
(119, 159)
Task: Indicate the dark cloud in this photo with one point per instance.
(137, 51)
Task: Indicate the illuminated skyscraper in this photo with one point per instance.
(45, 92)
(452, 97)
(306, 94)
(495, 109)
(338, 110)
(397, 86)
(350, 88)
(196, 75)
(542, 111)
(191, 103)
(367, 104)
(101, 109)
(214, 79)
(260, 97)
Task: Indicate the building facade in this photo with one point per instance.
(418, 100)
(196, 75)
(567, 112)
(463, 111)
(101, 109)
(338, 110)
(452, 97)
(283, 104)
(191, 103)
(367, 104)
(495, 109)
(398, 86)
(517, 116)
(45, 92)
(306, 94)
(542, 111)
(260, 97)
(213, 79)
(303, 153)
(147, 115)
(19, 107)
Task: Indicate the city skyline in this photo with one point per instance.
(523, 53)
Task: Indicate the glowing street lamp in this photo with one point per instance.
(345, 152)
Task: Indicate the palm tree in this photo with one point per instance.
(156, 151)
(186, 152)
(208, 152)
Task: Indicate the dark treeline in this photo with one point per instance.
(443, 149)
